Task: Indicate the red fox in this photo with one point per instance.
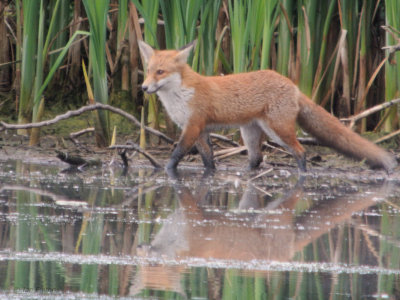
(259, 102)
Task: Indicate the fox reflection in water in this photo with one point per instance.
(254, 233)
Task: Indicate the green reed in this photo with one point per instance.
(239, 14)
(285, 47)
(392, 66)
(180, 18)
(122, 34)
(271, 12)
(97, 15)
(36, 43)
(300, 39)
(149, 11)
(29, 48)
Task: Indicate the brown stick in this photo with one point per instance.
(74, 135)
(387, 137)
(224, 139)
(370, 111)
(396, 35)
(74, 113)
(229, 152)
(393, 48)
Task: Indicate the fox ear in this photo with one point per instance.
(146, 50)
(184, 52)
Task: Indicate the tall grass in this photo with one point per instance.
(29, 46)
(97, 15)
(35, 52)
(252, 24)
(285, 46)
(204, 58)
(122, 33)
(271, 12)
(307, 43)
(323, 61)
(149, 10)
(364, 46)
(180, 18)
(182, 27)
(59, 34)
(5, 57)
(392, 67)
(40, 86)
(349, 52)
(300, 39)
(239, 13)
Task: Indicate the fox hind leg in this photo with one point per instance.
(285, 136)
(251, 135)
(203, 145)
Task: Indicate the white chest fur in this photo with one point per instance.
(175, 98)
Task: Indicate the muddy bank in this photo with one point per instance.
(321, 160)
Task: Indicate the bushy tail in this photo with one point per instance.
(328, 130)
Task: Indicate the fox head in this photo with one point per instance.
(163, 67)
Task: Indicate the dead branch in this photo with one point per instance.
(370, 111)
(221, 154)
(74, 113)
(74, 135)
(387, 137)
(133, 146)
(393, 48)
(224, 139)
(395, 35)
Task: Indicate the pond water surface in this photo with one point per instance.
(102, 233)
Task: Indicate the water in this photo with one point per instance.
(103, 234)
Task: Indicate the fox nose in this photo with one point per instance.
(144, 88)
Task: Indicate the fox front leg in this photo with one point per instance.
(188, 138)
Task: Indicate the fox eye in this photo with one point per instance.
(160, 72)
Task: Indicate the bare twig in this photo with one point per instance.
(275, 148)
(393, 48)
(74, 135)
(370, 111)
(74, 113)
(229, 152)
(395, 35)
(387, 137)
(224, 139)
(9, 63)
(133, 146)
